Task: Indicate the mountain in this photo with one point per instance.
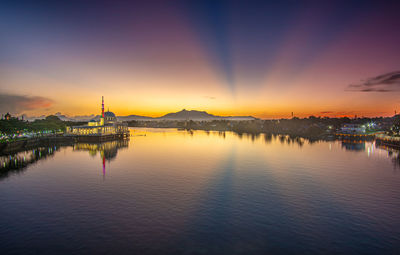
(181, 115)
(133, 117)
(185, 115)
(83, 117)
(74, 118)
(33, 118)
(62, 117)
(200, 115)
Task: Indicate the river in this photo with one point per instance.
(166, 191)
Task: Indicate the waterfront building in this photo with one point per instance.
(7, 116)
(106, 126)
(352, 132)
(353, 129)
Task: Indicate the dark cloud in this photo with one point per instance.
(17, 104)
(387, 82)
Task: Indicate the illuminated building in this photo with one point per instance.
(105, 128)
(353, 129)
(7, 116)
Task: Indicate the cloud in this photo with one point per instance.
(210, 97)
(326, 112)
(16, 104)
(382, 83)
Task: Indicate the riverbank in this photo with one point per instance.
(14, 146)
(29, 143)
(313, 134)
(311, 128)
(387, 140)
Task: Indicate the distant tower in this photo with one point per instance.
(102, 111)
(292, 114)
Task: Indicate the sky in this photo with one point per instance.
(261, 58)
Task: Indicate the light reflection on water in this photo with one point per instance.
(168, 191)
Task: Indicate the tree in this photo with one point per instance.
(396, 126)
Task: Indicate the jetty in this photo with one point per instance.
(391, 141)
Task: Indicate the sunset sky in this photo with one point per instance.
(260, 58)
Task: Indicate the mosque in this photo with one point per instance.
(106, 128)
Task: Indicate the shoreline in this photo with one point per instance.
(28, 143)
(10, 147)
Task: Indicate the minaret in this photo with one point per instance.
(102, 106)
(102, 111)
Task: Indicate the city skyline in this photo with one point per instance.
(151, 58)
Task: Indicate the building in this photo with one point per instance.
(106, 127)
(7, 116)
(353, 129)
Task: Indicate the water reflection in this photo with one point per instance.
(370, 147)
(206, 193)
(353, 145)
(107, 150)
(217, 202)
(348, 145)
(392, 153)
(396, 160)
(287, 139)
(268, 137)
(19, 161)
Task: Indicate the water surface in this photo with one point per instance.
(177, 192)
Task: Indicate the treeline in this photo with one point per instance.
(312, 127)
(50, 123)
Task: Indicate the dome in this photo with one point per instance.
(109, 114)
